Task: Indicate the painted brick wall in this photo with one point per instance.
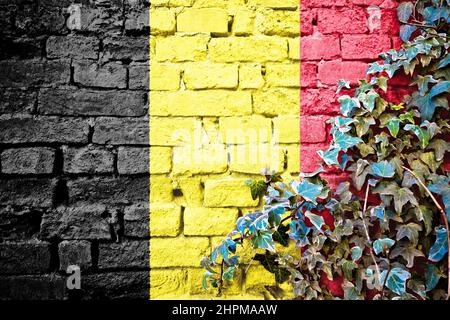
(73, 148)
(338, 40)
(224, 103)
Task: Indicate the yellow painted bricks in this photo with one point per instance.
(224, 104)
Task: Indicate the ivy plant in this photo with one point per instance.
(383, 234)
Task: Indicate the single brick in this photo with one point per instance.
(364, 46)
(30, 257)
(228, 193)
(28, 161)
(17, 223)
(308, 75)
(283, 75)
(165, 220)
(160, 160)
(210, 76)
(132, 160)
(122, 190)
(118, 131)
(128, 254)
(319, 101)
(17, 101)
(162, 21)
(33, 287)
(192, 159)
(341, 21)
(164, 77)
(254, 158)
(307, 18)
(309, 159)
(136, 16)
(250, 76)
(138, 76)
(209, 221)
(89, 159)
(136, 220)
(249, 130)
(244, 22)
(277, 101)
(182, 48)
(312, 129)
(76, 223)
(74, 253)
(72, 46)
(116, 285)
(201, 103)
(258, 48)
(287, 129)
(161, 189)
(179, 252)
(275, 4)
(164, 282)
(293, 158)
(331, 71)
(172, 131)
(211, 20)
(318, 47)
(31, 73)
(125, 48)
(278, 22)
(192, 189)
(91, 102)
(97, 19)
(294, 48)
(27, 192)
(109, 75)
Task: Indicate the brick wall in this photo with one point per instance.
(224, 104)
(339, 39)
(73, 148)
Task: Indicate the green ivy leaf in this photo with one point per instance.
(263, 240)
(356, 253)
(401, 195)
(229, 274)
(439, 249)
(396, 280)
(344, 141)
(382, 245)
(382, 169)
(408, 253)
(330, 156)
(315, 219)
(410, 231)
(348, 104)
(309, 191)
(257, 188)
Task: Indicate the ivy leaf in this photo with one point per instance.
(263, 240)
(356, 253)
(441, 187)
(330, 156)
(394, 126)
(378, 212)
(431, 277)
(205, 278)
(444, 62)
(299, 232)
(382, 169)
(206, 263)
(342, 84)
(256, 187)
(404, 11)
(396, 280)
(281, 236)
(440, 247)
(425, 215)
(347, 268)
(344, 141)
(406, 32)
(441, 87)
(309, 191)
(408, 253)
(348, 104)
(425, 132)
(382, 83)
(410, 230)
(401, 195)
(368, 99)
(315, 219)
(440, 147)
(229, 273)
(382, 245)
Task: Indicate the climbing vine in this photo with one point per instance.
(384, 233)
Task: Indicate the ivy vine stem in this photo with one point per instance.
(362, 214)
(444, 217)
